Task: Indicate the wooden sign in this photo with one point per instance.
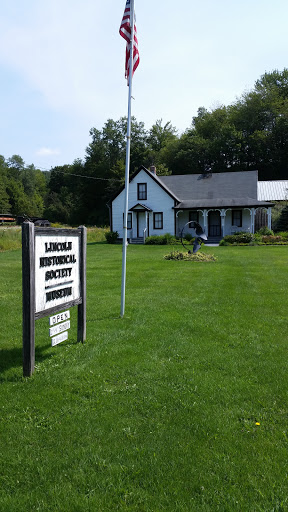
(57, 274)
(53, 278)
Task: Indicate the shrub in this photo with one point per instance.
(256, 239)
(111, 237)
(239, 238)
(188, 237)
(170, 239)
(284, 235)
(160, 239)
(244, 238)
(155, 240)
(265, 231)
(271, 239)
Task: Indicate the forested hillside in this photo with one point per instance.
(252, 133)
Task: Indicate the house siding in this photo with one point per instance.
(157, 200)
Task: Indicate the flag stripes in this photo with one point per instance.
(125, 32)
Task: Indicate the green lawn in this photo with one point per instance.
(179, 406)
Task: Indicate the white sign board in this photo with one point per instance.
(57, 270)
(59, 328)
(61, 317)
(58, 339)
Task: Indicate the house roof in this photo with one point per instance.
(215, 190)
(273, 190)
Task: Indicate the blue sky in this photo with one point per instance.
(62, 66)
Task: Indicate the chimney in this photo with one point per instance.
(153, 169)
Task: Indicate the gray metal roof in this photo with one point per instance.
(273, 190)
(225, 189)
(215, 186)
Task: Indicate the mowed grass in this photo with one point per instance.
(179, 406)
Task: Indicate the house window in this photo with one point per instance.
(158, 220)
(237, 218)
(129, 221)
(141, 191)
(193, 216)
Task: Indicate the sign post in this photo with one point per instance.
(28, 284)
(53, 278)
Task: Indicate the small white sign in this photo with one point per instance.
(59, 318)
(59, 328)
(58, 339)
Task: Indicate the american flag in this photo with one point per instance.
(125, 31)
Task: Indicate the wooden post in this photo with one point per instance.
(28, 284)
(81, 330)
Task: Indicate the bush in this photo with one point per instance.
(170, 239)
(156, 240)
(271, 239)
(244, 238)
(188, 237)
(284, 235)
(265, 231)
(256, 239)
(111, 237)
(160, 239)
(239, 238)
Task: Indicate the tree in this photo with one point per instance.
(19, 203)
(282, 224)
(105, 164)
(4, 197)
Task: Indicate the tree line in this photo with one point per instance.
(251, 133)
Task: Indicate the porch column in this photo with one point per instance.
(145, 234)
(269, 212)
(205, 219)
(177, 228)
(252, 213)
(223, 215)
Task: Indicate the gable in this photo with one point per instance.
(149, 175)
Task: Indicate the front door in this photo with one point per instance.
(214, 224)
(141, 223)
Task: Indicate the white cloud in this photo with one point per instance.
(47, 152)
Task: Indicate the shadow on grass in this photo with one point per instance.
(13, 358)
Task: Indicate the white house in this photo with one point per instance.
(223, 203)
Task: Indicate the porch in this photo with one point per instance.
(218, 222)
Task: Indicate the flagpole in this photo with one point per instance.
(127, 165)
